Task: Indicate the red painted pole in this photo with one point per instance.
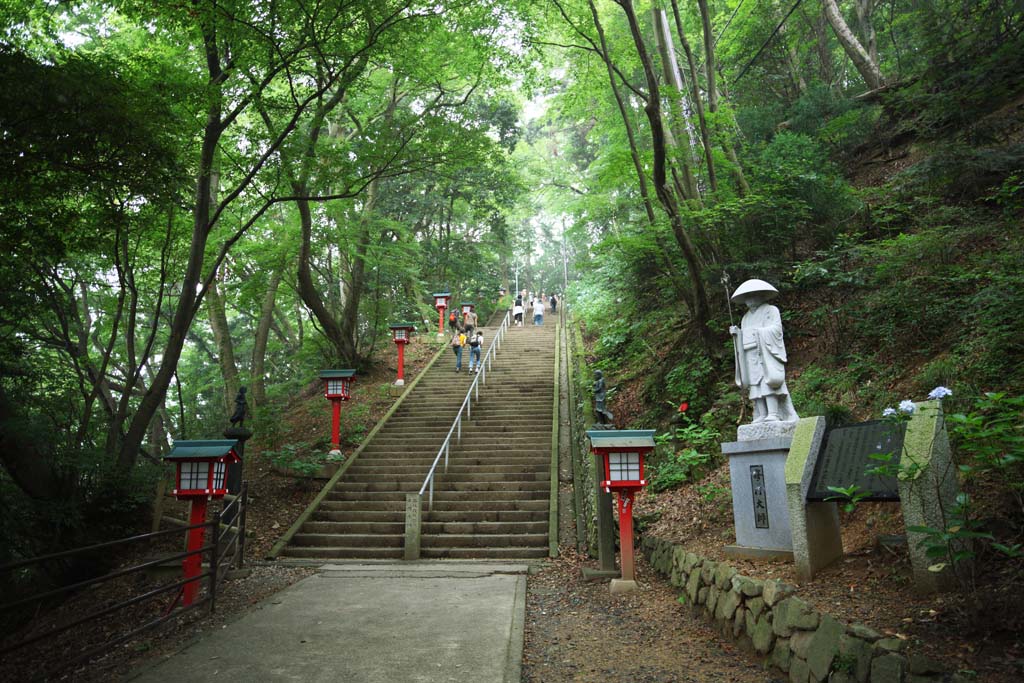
(440, 321)
(336, 424)
(193, 564)
(401, 362)
(626, 533)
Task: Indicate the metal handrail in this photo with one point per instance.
(467, 406)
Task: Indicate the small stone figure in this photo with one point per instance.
(241, 408)
(604, 417)
(760, 353)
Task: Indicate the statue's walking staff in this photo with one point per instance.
(737, 341)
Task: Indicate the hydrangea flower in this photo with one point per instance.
(939, 393)
(888, 412)
(907, 406)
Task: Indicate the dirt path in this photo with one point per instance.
(577, 631)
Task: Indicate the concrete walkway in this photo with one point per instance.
(367, 623)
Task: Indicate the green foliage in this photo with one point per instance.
(850, 495)
(990, 440)
(296, 457)
(682, 454)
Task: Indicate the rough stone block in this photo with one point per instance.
(707, 572)
(775, 591)
(858, 653)
(863, 632)
(793, 614)
(756, 606)
(738, 623)
(922, 664)
(751, 587)
(692, 561)
(723, 576)
(887, 669)
(781, 654)
(824, 646)
(762, 636)
(702, 595)
(800, 643)
(692, 586)
(916, 678)
(713, 595)
(799, 672)
(727, 604)
(888, 645)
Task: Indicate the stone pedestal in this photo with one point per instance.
(817, 541)
(757, 464)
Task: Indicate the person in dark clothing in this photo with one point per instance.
(554, 304)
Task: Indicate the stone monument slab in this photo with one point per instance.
(760, 513)
(849, 452)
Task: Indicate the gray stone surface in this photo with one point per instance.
(771, 455)
(863, 632)
(858, 653)
(781, 654)
(775, 591)
(922, 664)
(824, 646)
(762, 635)
(370, 623)
(889, 645)
(756, 606)
(765, 430)
(793, 614)
(887, 669)
(727, 604)
(723, 576)
(692, 586)
(751, 587)
(799, 671)
(800, 643)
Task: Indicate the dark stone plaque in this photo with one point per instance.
(846, 456)
(760, 498)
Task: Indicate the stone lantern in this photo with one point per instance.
(441, 301)
(337, 388)
(401, 333)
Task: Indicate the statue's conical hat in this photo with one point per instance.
(752, 286)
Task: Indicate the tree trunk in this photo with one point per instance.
(865, 8)
(862, 61)
(663, 39)
(225, 349)
(662, 188)
(259, 348)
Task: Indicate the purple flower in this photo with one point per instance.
(889, 412)
(939, 393)
(907, 406)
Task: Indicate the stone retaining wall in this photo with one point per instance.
(768, 618)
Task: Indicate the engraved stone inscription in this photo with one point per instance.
(849, 455)
(760, 497)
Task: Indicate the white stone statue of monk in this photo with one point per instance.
(761, 353)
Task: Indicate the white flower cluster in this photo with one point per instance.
(907, 406)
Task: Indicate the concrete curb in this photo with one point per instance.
(312, 507)
(516, 636)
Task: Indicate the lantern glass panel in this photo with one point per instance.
(334, 387)
(624, 466)
(218, 474)
(195, 475)
(401, 334)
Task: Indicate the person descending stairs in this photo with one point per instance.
(493, 500)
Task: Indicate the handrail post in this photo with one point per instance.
(214, 555)
(431, 505)
(244, 505)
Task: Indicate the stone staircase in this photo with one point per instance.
(493, 500)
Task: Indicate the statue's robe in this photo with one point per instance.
(762, 353)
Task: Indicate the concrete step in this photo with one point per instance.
(355, 528)
(349, 540)
(486, 516)
(503, 486)
(489, 541)
(443, 507)
(494, 553)
(481, 498)
(355, 515)
(396, 506)
(329, 553)
(496, 466)
(467, 528)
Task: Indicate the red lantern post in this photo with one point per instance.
(200, 477)
(467, 308)
(337, 388)
(441, 300)
(402, 333)
(622, 452)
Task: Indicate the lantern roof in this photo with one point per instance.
(436, 294)
(207, 449)
(337, 374)
(621, 438)
(467, 303)
(402, 326)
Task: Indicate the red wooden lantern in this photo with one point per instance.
(401, 332)
(622, 454)
(441, 300)
(201, 474)
(337, 388)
